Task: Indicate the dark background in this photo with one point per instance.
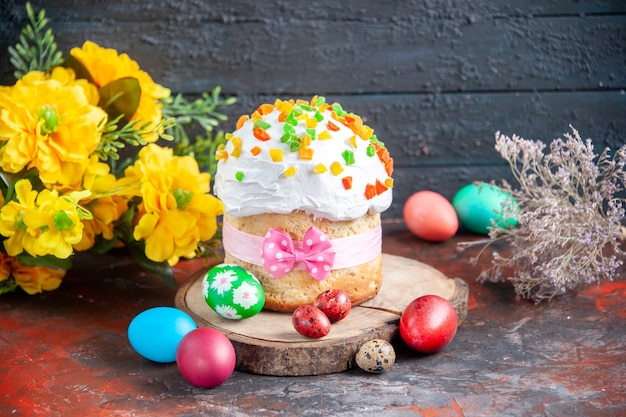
(435, 79)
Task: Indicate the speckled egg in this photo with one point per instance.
(479, 203)
(376, 356)
(335, 304)
(233, 292)
(310, 321)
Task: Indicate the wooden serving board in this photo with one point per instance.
(268, 344)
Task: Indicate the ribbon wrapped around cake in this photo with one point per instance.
(279, 254)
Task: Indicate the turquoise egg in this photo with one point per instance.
(477, 204)
(155, 333)
(233, 292)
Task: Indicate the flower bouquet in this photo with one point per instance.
(81, 168)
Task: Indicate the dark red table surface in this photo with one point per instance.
(66, 353)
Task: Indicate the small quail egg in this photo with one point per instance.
(376, 356)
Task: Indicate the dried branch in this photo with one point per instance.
(570, 220)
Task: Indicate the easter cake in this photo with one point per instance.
(303, 184)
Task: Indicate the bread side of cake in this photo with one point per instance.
(361, 282)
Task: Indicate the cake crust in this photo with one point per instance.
(361, 282)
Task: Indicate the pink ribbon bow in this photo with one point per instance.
(280, 254)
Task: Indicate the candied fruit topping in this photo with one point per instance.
(241, 121)
(336, 168)
(221, 154)
(265, 108)
(306, 154)
(290, 171)
(370, 191)
(320, 169)
(347, 182)
(311, 133)
(276, 154)
(261, 134)
(261, 124)
(303, 123)
(338, 110)
(324, 135)
(292, 119)
(318, 100)
(311, 123)
(380, 187)
(332, 127)
(348, 157)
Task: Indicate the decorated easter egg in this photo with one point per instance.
(206, 358)
(155, 333)
(376, 356)
(310, 321)
(479, 203)
(430, 216)
(334, 303)
(233, 292)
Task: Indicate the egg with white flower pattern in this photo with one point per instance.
(233, 292)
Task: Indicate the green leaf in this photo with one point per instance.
(161, 269)
(8, 285)
(37, 49)
(31, 175)
(204, 112)
(123, 225)
(102, 245)
(124, 231)
(120, 97)
(79, 69)
(116, 136)
(48, 261)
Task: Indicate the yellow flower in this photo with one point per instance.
(106, 208)
(176, 212)
(40, 223)
(51, 127)
(67, 77)
(5, 267)
(34, 278)
(106, 65)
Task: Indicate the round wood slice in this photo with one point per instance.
(268, 344)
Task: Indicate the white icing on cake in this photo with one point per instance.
(250, 182)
